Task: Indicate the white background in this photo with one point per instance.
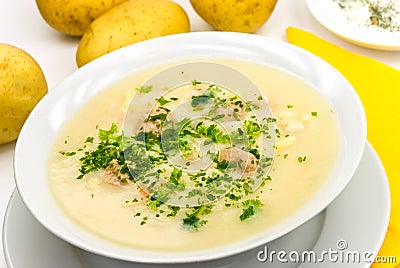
(21, 25)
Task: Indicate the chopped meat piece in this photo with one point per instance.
(240, 156)
(113, 176)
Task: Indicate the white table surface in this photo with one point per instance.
(21, 25)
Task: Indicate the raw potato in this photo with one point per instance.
(74, 16)
(22, 85)
(128, 23)
(245, 16)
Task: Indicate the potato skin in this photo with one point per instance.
(22, 85)
(72, 17)
(234, 15)
(128, 23)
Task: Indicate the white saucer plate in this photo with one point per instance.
(357, 220)
(330, 16)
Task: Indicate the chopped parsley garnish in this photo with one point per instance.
(162, 100)
(192, 220)
(208, 96)
(195, 82)
(153, 203)
(277, 132)
(198, 100)
(109, 149)
(247, 213)
(89, 140)
(143, 158)
(250, 208)
(160, 116)
(173, 211)
(314, 114)
(377, 15)
(251, 106)
(144, 220)
(105, 134)
(68, 153)
(212, 132)
(301, 159)
(144, 89)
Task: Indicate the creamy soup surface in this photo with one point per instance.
(108, 204)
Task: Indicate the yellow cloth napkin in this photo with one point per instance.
(378, 86)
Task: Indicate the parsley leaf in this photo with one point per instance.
(89, 140)
(193, 221)
(250, 208)
(105, 134)
(247, 213)
(144, 89)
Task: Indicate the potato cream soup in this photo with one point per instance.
(100, 174)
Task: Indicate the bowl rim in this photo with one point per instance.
(212, 42)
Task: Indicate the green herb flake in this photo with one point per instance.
(89, 140)
(247, 213)
(193, 221)
(314, 114)
(105, 134)
(199, 100)
(277, 132)
(252, 202)
(250, 208)
(144, 89)
(301, 159)
(68, 153)
(162, 101)
(144, 220)
(195, 82)
(173, 211)
(153, 203)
